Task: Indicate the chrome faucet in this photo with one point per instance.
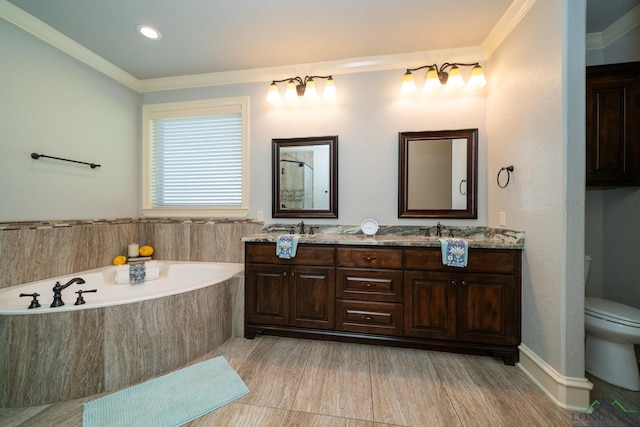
(58, 288)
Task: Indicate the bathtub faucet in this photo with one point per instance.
(58, 288)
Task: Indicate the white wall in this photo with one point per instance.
(532, 126)
(621, 231)
(52, 104)
(367, 119)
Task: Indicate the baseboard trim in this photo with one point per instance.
(567, 392)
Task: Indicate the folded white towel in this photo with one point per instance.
(152, 272)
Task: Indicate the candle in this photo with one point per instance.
(134, 249)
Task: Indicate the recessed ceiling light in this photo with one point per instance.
(149, 32)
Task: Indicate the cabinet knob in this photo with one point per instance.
(368, 258)
(369, 285)
(463, 283)
(365, 317)
(453, 283)
(293, 273)
(284, 274)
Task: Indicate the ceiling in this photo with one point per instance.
(205, 36)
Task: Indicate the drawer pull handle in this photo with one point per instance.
(453, 283)
(464, 283)
(369, 285)
(284, 274)
(368, 258)
(369, 318)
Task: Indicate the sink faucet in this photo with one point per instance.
(439, 228)
(301, 225)
(58, 288)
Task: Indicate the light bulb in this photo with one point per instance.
(273, 97)
(291, 94)
(455, 77)
(408, 85)
(329, 92)
(432, 81)
(477, 80)
(310, 92)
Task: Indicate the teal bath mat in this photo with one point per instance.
(170, 400)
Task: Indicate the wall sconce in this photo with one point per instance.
(438, 77)
(297, 87)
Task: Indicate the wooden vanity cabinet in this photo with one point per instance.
(400, 296)
(369, 290)
(612, 125)
(297, 292)
(478, 304)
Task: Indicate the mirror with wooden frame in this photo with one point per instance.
(305, 177)
(438, 174)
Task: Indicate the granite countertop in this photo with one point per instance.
(477, 237)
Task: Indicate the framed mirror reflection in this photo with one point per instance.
(438, 174)
(305, 177)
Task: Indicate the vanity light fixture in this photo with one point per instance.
(439, 76)
(149, 32)
(299, 87)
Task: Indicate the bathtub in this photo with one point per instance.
(122, 335)
(175, 277)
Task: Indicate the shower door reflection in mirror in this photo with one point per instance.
(305, 177)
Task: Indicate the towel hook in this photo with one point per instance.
(509, 169)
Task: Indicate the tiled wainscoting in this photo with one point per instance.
(38, 250)
(59, 356)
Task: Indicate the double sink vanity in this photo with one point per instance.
(389, 289)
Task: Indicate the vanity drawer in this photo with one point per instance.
(265, 253)
(500, 261)
(381, 318)
(369, 257)
(370, 285)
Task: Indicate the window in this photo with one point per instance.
(195, 158)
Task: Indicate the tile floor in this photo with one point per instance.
(318, 383)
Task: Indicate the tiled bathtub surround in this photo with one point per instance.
(31, 251)
(54, 357)
(59, 356)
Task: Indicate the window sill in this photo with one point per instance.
(194, 212)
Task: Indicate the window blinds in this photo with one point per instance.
(197, 161)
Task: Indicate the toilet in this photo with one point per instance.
(612, 329)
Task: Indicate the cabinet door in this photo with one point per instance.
(488, 308)
(267, 294)
(613, 103)
(313, 296)
(430, 304)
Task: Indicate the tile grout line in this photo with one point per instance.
(304, 369)
(444, 388)
(373, 407)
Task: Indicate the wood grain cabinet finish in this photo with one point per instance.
(281, 292)
(390, 296)
(369, 290)
(612, 125)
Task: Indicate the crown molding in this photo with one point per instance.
(44, 32)
(614, 31)
(344, 66)
(514, 13)
(505, 25)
